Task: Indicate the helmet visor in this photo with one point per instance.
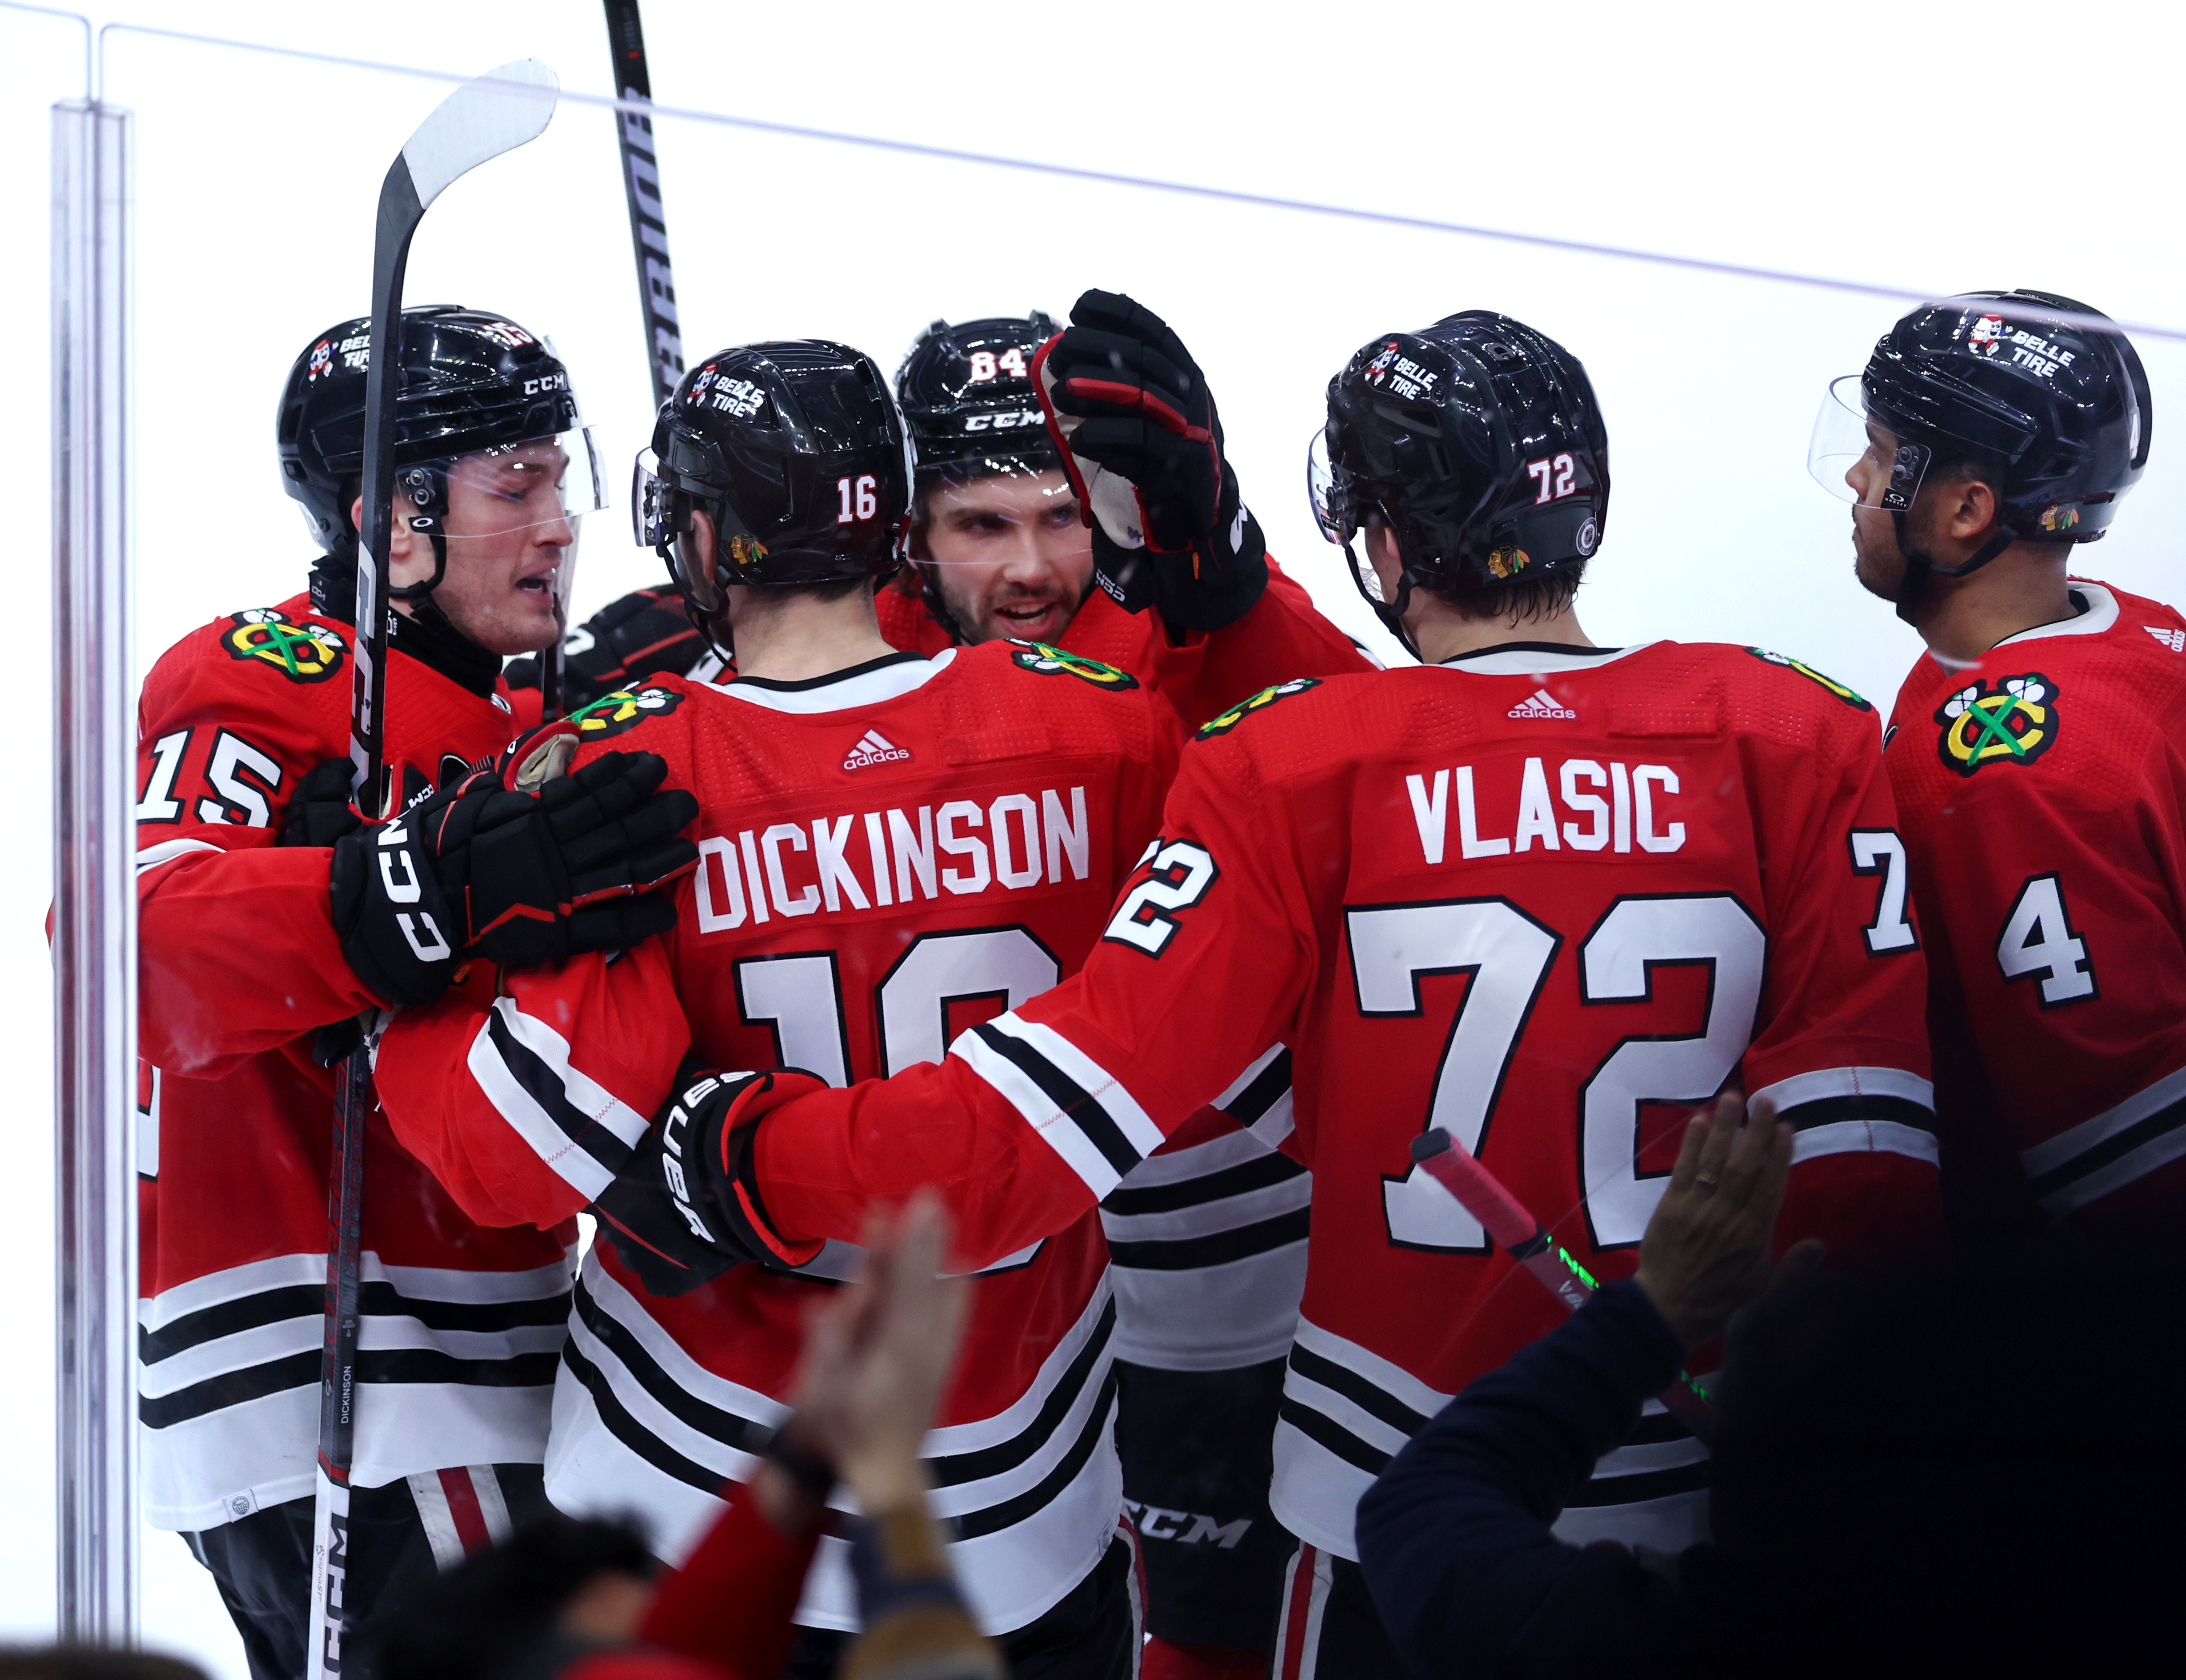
(1331, 503)
(1856, 457)
(512, 487)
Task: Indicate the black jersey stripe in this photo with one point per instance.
(1629, 1490)
(632, 1434)
(1007, 1513)
(1216, 1248)
(2112, 1149)
(1319, 1426)
(1244, 1177)
(1829, 1111)
(384, 1366)
(1267, 1087)
(544, 1086)
(375, 1299)
(1071, 1099)
(1362, 1391)
(749, 1434)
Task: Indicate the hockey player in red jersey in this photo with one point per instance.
(244, 954)
(2037, 750)
(1207, 1239)
(893, 846)
(1542, 893)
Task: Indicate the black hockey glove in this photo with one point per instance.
(647, 633)
(1131, 414)
(520, 879)
(319, 811)
(682, 1210)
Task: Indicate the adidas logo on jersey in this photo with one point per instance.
(2174, 639)
(873, 748)
(1540, 703)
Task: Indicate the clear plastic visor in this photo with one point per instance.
(512, 487)
(1856, 458)
(1320, 490)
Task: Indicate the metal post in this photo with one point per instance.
(95, 896)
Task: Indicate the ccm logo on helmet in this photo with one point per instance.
(546, 381)
(1005, 422)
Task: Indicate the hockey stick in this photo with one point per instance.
(641, 182)
(480, 121)
(1504, 1218)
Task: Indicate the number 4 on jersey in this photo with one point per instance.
(2038, 938)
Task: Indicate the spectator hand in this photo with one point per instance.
(878, 1357)
(1704, 1254)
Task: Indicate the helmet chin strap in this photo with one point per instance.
(1392, 616)
(1920, 567)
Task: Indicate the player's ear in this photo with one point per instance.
(1972, 509)
(699, 553)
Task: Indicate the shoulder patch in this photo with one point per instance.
(624, 709)
(1039, 656)
(1223, 722)
(1813, 675)
(2015, 721)
(300, 652)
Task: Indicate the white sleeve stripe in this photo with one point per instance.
(1238, 1086)
(587, 1095)
(1840, 1081)
(151, 857)
(2046, 1156)
(1121, 1107)
(2160, 1151)
(1864, 1137)
(531, 1122)
(1055, 1129)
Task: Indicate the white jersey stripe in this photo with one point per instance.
(1862, 1137)
(1842, 1081)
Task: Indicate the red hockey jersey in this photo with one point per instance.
(238, 964)
(887, 856)
(1546, 898)
(2043, 791)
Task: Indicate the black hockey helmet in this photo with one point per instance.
(473, 385)
(1478, 439)
(2045, 397)
(969, 401)
(795, 450)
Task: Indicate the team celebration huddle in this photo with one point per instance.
(1547, 1158)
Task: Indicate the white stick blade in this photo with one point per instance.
(490, 114)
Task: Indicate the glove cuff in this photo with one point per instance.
(717, 1119)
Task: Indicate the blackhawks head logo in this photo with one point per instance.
(300, 652)
(2014, 722)
(1037, 656)
(1223, 722)
(625, 708)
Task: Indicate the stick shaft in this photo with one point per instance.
(1504, 1218)
(641, 180)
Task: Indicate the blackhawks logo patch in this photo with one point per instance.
(1223, 722)
(300, 652)
(2013, 722)
(1037, 656)
(624, 709)
(1811, 675)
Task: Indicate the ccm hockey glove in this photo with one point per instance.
(521, 879)
(1130, 412)
(647, 633)
(685, 1208)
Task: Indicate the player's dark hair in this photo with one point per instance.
(498, 1605)
(1525, 599)
(1967, 1467)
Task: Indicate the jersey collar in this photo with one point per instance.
(2097, 614)
(1536, 658)
(867, 685)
